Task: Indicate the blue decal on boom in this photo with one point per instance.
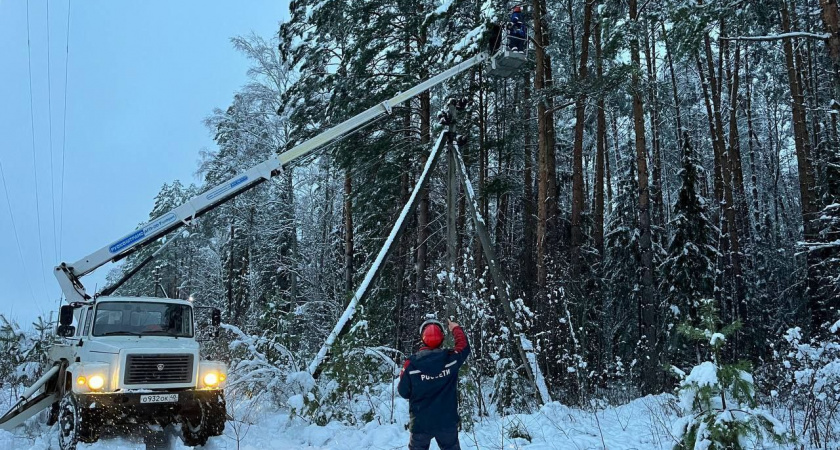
(141, 234)
(127, 241)
(239, 181)
(218, 192)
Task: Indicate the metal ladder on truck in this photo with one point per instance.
(46, 391)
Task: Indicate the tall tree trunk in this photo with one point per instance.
(735, 149)
(801, 141)
(601, 148)
(831, 22)
(753, 141)
(718, 180)
(529, 208)
(679, 130)
(715, 84)
(656, 186)
(716, 144)
(736, 190)
(423, 207)
(728, 226)
(348, 232)
(482, 161)
(817, 306)
(547, 179)
(402, 313)
(646, 301)
(577, 152)
(229, 281)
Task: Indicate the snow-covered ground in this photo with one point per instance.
(642, 424)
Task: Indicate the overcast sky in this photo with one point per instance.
(141, 78)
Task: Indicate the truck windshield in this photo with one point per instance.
(142, 319)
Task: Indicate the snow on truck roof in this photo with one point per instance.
(144, 299)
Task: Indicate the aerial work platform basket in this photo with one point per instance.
(506, 62)
(510, 53)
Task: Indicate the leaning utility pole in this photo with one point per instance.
(524, 346)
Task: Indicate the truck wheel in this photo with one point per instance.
(75, 424)
(215, 417)
(68, 423)
(194, 430)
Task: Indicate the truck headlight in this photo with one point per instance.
(91, 377)
(211, 379)
(96, 382)
(212, 375)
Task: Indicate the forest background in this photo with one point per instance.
(657, 163)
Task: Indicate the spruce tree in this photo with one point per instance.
(717, 398)
(689, 269)
(824, 251)
(621, 271)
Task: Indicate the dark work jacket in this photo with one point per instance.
(429, 381)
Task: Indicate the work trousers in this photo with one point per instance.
(447, 440)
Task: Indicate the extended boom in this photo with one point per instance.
(69, 275)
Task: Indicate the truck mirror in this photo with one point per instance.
(216, 320)
(65, 316)
(66, 330)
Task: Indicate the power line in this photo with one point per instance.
(49, 116)
(34, 158)
(64, 134)
(17, 239)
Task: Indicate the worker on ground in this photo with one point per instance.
(517, 33)
(429, 380)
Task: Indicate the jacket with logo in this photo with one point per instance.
(429, 380)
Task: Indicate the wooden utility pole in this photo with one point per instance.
(362, 291)
(451, 229)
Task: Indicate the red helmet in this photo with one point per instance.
(432, 336)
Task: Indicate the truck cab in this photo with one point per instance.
(135, 360)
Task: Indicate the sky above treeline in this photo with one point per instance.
(141, 77)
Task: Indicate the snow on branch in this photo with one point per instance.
(776, 37)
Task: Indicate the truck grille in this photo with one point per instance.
(158, 369)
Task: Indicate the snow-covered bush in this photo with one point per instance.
(349, 388)
(23, 352)
(718, 399)
(810, 385)
(260, 365)
(490, 378)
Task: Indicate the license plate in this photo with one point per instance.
(159, 398)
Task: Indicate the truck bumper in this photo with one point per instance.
(119, 407)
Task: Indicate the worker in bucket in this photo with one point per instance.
(429, 380)
(517, 33)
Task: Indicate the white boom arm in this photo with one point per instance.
(69, 275)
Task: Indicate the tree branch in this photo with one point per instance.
(776, 37)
